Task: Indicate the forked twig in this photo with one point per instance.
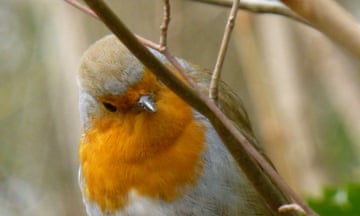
(213, 89)
(162, 47)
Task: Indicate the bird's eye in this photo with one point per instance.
(109, 107)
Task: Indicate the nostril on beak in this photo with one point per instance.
(146, 102)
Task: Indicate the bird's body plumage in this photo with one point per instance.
(168, 162)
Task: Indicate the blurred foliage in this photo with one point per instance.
(338, 201)
(37, 173)
(339, 155)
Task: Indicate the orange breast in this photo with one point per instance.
(157, 154)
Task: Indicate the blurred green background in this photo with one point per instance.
(301, 90)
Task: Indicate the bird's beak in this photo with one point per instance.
(146, 102)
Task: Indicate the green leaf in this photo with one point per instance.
(338, 201)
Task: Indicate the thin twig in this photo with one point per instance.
(81, 7)
(162, 47)
(148, 43)
(165, 24)
(260, 6)
(90, 12)
(235, 141)
(184, 73)
(213, 89)
(170, 57)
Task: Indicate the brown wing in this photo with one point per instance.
(231, 104)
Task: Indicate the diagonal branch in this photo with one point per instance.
(213, 89)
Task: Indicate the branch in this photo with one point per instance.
(260, 6)
(213, 89)
(328, 17)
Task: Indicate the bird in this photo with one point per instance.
(145, 151)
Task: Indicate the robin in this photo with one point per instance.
(144, 151)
